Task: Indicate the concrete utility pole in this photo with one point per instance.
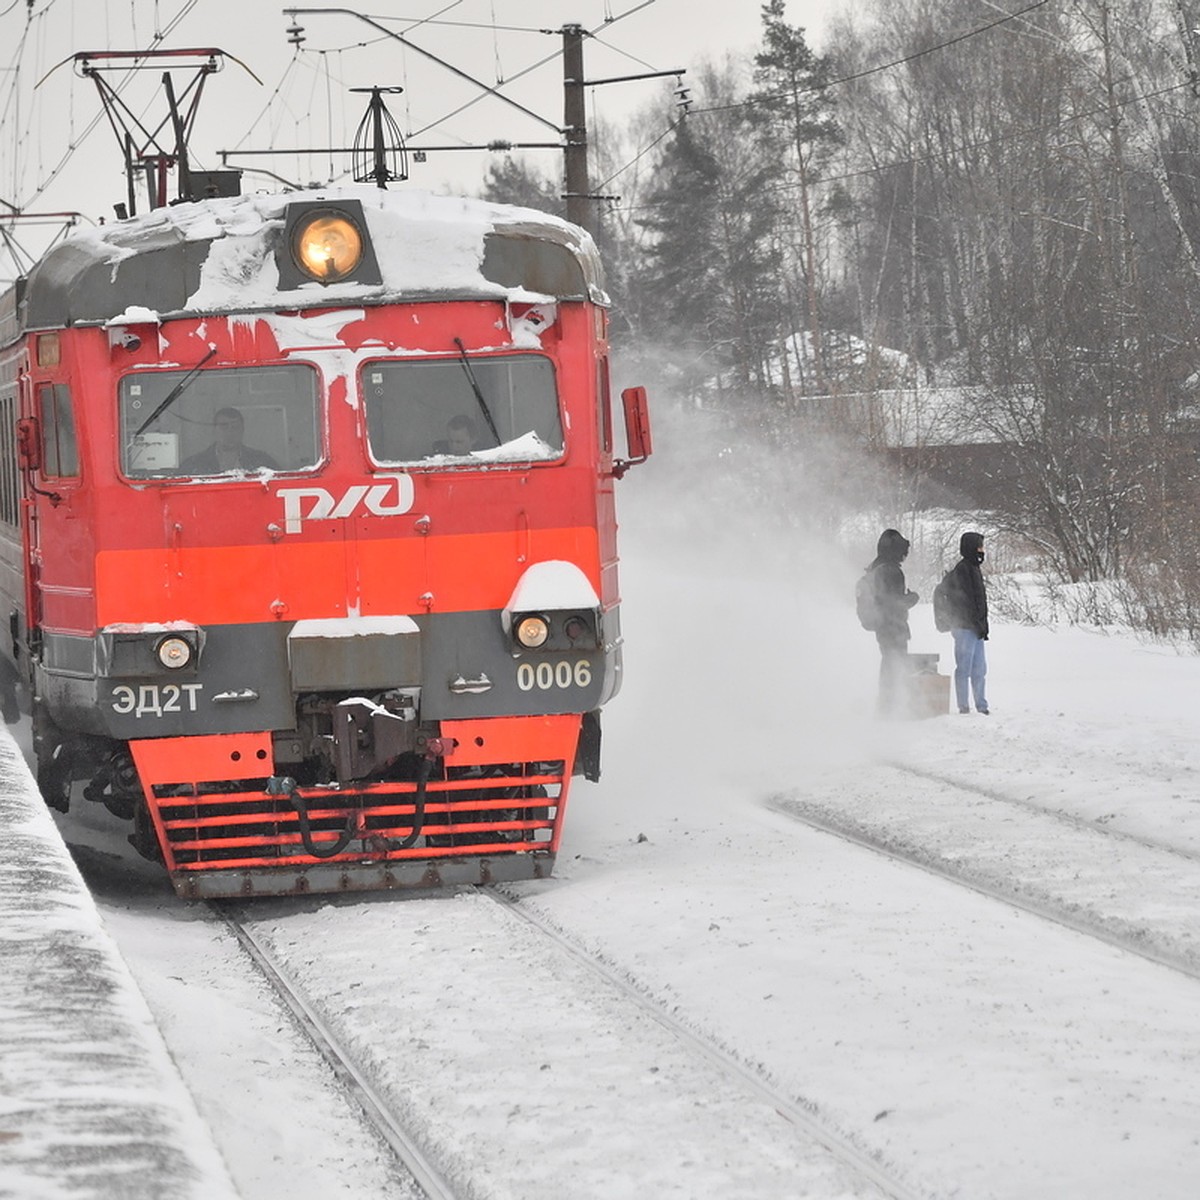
(577, 190)
(575, 150)
(578, 194)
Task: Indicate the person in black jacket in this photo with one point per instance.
(460, 437)
(969, 625)
(894, 599)
(229, 451)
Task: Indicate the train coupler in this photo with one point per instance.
(369, 735)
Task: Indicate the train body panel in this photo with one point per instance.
(413, 532)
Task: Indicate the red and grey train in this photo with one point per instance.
(307, 534)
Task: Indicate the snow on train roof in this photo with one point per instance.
(220, 256)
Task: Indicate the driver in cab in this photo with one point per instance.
(229, 451)
(460, 437)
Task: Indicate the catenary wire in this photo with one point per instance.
(918, 160)
(413, 22)
(831, 83)
(57, 170)
(641, 62)
(276, 95)
(532, 67)
(887, 66)
(640, 155)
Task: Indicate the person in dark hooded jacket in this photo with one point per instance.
(894, 599)
(969, 624)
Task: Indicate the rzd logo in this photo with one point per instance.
(389, 499)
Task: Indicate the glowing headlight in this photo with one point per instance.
(532, 632)
(174, 652)
(328, 247)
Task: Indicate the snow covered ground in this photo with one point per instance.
(995, 1054)
(964, 1044)
(90, 1103)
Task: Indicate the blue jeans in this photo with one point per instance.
(970, 663)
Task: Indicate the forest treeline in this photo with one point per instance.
(995, 203)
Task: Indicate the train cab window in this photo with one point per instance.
(60, 452)
(224, 422)
(9, 473)
(497, 408)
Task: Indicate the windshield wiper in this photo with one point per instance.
(466, 366)
(174, 394)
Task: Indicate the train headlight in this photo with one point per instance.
(328, 241)
(174, 652)
(532, 632)
(327, 247)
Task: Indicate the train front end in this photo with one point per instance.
(330, 600)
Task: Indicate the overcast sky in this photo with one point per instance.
(303, 98)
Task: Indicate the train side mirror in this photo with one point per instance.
(637, 430)
(29, 444)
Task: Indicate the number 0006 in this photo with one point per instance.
(547, 675)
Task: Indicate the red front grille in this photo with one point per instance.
(469, 812)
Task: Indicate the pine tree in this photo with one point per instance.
(710, 278)
(794, 118)
(684, 278)
(511, 180)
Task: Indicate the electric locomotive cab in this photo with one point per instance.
(329, 600)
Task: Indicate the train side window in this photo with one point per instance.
(9, 474)
(492, 408)
(226, 422)
(60, 452)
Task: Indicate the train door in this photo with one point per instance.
(12, 589)
(61, 589)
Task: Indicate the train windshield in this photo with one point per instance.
(501, 408)
(224, 421)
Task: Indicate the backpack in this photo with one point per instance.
(866, 600)
(945, 606)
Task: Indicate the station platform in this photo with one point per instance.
(91, 1105)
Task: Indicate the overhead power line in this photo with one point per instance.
(98, 119)
(962, 37)
(887, 66)
(541, 62)
(1000, 139)
(919, 159)
(412, 22)
(640, 154)
(491, 91)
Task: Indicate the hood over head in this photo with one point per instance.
(892, 546)
(970, 546)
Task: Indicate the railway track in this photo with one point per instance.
(745, 1092)
(1138, 894)
(527, 1041)
(804, 1114)
(1065, 818)
(384, 1122)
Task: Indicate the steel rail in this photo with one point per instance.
(802, 1113)
(1056, 814)
(357, 1087)
(1014, 899)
